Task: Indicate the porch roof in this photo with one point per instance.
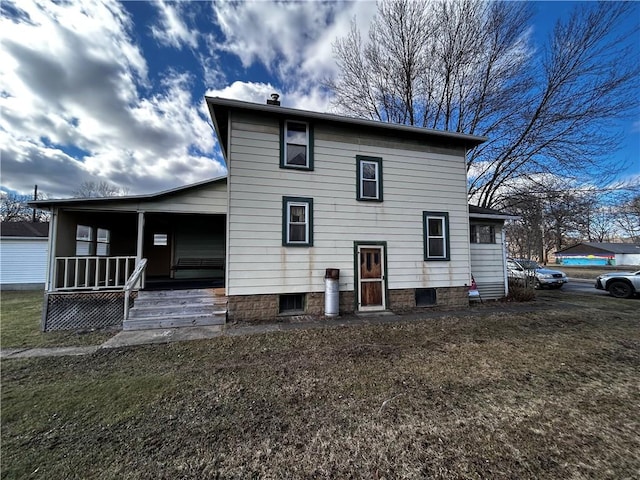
(97, 201)
(489, 213)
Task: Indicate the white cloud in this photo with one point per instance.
(314, 99)
(77, 103)
(172, 29)
(291, 39)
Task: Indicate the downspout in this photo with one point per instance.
(504, 262)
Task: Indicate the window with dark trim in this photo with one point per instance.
(368, 178)
(297, 221)
(296, 145)
(436, 235)
(482, 233)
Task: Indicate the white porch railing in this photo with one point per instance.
(95, 273)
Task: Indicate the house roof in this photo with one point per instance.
(219, 109)
(122, 199)
(24, 229)
(604, 247)
(489, 213)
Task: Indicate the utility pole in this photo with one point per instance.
(35, 197)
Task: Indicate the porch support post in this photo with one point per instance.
(140, 244)
(51, 247)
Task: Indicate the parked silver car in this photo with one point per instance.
(530, 271)
(619, 284)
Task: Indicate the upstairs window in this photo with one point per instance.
(296, 145)
(482, 234)
(369, 179)
(297, 221)
(436, 235)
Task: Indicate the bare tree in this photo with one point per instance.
(628, 217)
(14, 208)
(468, 66)
(91, 189)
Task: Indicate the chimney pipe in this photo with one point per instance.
(274, 100)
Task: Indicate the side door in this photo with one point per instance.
(371, 277)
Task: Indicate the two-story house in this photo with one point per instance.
(384, 204)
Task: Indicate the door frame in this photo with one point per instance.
(356, 275)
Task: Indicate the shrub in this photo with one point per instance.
(520, 291)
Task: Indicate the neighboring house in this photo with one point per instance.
(23, 255)
(595, 253)
(384, 204)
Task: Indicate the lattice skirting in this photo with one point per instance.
(84, 310)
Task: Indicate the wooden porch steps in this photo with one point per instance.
(177, 308)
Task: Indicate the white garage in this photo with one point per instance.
(23, 255)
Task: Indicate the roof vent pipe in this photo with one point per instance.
(274, 100)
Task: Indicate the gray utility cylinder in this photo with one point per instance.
(332, 292)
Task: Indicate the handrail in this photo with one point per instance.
(130, 284)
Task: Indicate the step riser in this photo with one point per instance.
(174, 322)
(175, 293)
(172, 312)
(148, 302)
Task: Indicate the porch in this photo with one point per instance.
(95, 253)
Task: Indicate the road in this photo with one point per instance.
(577, 285)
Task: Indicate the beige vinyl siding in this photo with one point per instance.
(413, 181)
(487, 267)
(210, 199)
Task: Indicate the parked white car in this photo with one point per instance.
(619, 284)
(528, 270)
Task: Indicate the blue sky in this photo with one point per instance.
(101, 90)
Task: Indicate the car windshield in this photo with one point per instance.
(529, 264)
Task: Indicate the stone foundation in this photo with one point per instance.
(404, 299)
(265, 308)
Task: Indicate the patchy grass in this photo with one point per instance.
(547, 395)
(20, 317)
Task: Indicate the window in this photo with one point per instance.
(482, 234)
(425, 297)
(103, 239)
(291, 303)
(296, 145)
(436, 235)
(160, 239)
(84, 240)
(297, 221)
(369, 178)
